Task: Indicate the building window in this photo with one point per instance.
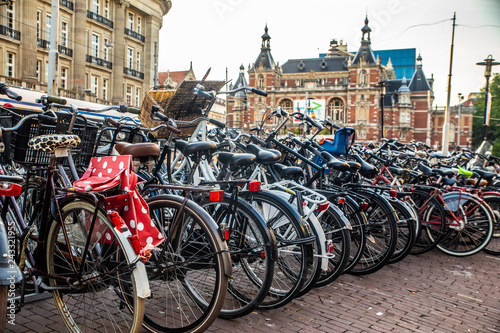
(139, 24)
(129, 95)
(64, 34)
(64, 78)
(95, 6)
(95, 46)
(106, 9)
(10, 18)
(336, 110)
(404, 117)
(363, 114)
(287, 105)
(38, 70)
(260, 83)
(130, 56)
(362, 77)
(138, 61)
(106, 49)
(137, 96)
(10, 64)
(94, 84)
(105, 89)
(131, 21)
(47, 27)
(38, 24)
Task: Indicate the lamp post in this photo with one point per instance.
(460, 98)
(382, 85)
(488, 63)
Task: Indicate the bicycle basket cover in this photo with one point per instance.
(342, 141)
(109, 171)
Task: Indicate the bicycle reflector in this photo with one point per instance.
(340, 200)
(393, 193)
(134, 241)
(323, 207)
(10, 189)
(363, 206)
(254, 186)
(217, 195)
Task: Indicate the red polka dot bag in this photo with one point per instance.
(108, 172)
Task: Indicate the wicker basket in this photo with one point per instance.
(180, 104)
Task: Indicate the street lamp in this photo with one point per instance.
(382, 85)
(488, 63)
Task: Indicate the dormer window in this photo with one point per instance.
(362, 77)
(260, 82)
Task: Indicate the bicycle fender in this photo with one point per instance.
(9, 272)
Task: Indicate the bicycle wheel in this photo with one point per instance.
(493, 247)
(358, 234)
(382, 227)
(406, 231)
(253, 251)
(188, 272)
(338, 240)
(294, 242)
(90, 289)
(433, 221)
(469, 224)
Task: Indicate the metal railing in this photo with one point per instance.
(9, 32)
(99, 61)
(66, 3)
(133, 72)
(65, 50)
(134, 34)
(99, 18)
(43, 43)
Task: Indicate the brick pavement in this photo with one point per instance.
(432, 292)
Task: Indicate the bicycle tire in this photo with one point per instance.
(336, 231)
(358, 233)
(382, 227)
(294, 256)
(253, 250)
(406, 231)
(493, 247)
(101, 279)
(182, 300)
(432, 221)
(475, 226)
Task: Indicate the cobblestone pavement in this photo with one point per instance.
(432, 292)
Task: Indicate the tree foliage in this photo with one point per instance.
(493, 131)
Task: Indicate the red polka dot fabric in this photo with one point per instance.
(108, 172)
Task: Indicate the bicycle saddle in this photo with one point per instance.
(396, 171)
(264, 156)
(367, 169)
(288, 171)
(233, 159)
(441, 172)
(138, 149)
(486, 175)
(48, 143)
(189, 148)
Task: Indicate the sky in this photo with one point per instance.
(220, 34)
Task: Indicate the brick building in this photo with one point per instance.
(344, 86)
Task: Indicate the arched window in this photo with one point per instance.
(287, 105)
(260, 83)
(362, 77)
(336, 110)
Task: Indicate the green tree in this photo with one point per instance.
(493, 132)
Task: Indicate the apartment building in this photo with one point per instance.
(106, 48)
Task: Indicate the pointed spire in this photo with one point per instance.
(365, 50)
(265, 59)
(366, 30)
(404, 86)
(389, 63)
(419, 81)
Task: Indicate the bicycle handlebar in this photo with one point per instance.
(4, 90)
